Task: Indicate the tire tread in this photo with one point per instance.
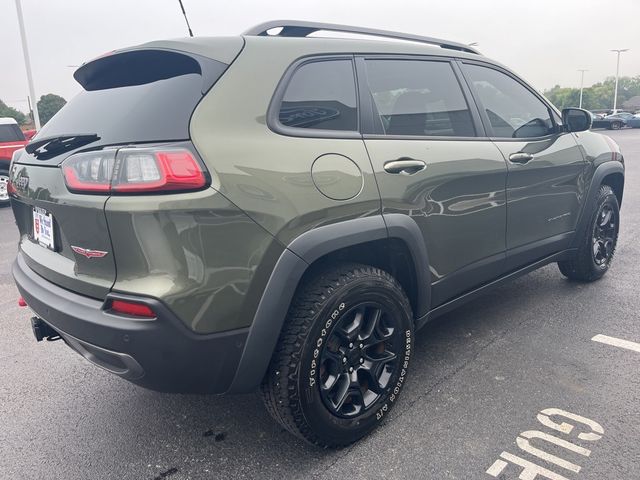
(279, 388)
(580, 267)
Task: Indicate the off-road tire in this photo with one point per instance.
(291, 388)
(583, 265)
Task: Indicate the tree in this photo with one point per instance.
(48, 106)
(7, 111)
(596, 97)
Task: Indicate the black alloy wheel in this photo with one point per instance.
(604, 234)
(343, 355)
(596, 241)
(358, 359)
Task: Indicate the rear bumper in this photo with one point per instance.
(160, 354)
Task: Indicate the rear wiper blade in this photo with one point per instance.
(49, 147)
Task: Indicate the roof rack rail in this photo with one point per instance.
(295, 28)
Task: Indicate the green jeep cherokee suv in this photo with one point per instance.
(283, 212)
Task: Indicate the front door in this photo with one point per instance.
(546, 167)
(432, 164)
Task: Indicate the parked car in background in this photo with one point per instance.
(623, 115)
(611, 122)
(11, 139)
(634, 122)
(28, 134)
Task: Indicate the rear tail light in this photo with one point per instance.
(89, 172)
(22, 302)
(132, 308)
(134, 170)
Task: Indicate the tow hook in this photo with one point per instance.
(42, 330)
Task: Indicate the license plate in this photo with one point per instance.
(43, 227)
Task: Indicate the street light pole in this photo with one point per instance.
(27, 64)
(581, 84)
(615, 94)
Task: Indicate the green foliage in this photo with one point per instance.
(48, 106)
(598, 96)
(7, 111)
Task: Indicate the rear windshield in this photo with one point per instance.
(10, 133)
(136, 96)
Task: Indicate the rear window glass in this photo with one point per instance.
(11, 133)
(321, 95)
(138, 96)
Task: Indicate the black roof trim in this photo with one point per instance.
(295, 28)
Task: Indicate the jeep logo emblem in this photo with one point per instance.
(22, 182)
(20, 179)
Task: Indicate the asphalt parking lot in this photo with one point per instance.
(480, 378)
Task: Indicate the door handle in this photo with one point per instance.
(407, 166)
(520, 157)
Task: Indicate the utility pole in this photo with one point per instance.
(615, 94)
(27, 64)
(581, 84)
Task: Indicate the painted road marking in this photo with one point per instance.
(497, 468)
(525, 445)
(532, 471)
(544, 418)
(617, 342)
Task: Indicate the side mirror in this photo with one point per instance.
(576, 119)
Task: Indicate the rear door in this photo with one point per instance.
(433, 163)
(132, 97)
(546, 167)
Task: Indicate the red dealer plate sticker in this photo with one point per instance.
(43, 227)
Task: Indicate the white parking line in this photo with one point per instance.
(617, 342)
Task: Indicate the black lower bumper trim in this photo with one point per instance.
(161, 354)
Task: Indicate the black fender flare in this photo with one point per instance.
(601, 171)
(293, 263)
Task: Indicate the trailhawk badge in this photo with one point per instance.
(87, 252)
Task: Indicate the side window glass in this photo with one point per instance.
(321, 95)
(418, 97)
(513, 110)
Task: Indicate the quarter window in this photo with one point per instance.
(321, 95)
(418, 97)
(513, 110)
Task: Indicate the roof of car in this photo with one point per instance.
(8, 121)
(302, 29)
(295, 33)
(221, 48)
(362, 45)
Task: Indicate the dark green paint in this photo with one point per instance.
(208, 255)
